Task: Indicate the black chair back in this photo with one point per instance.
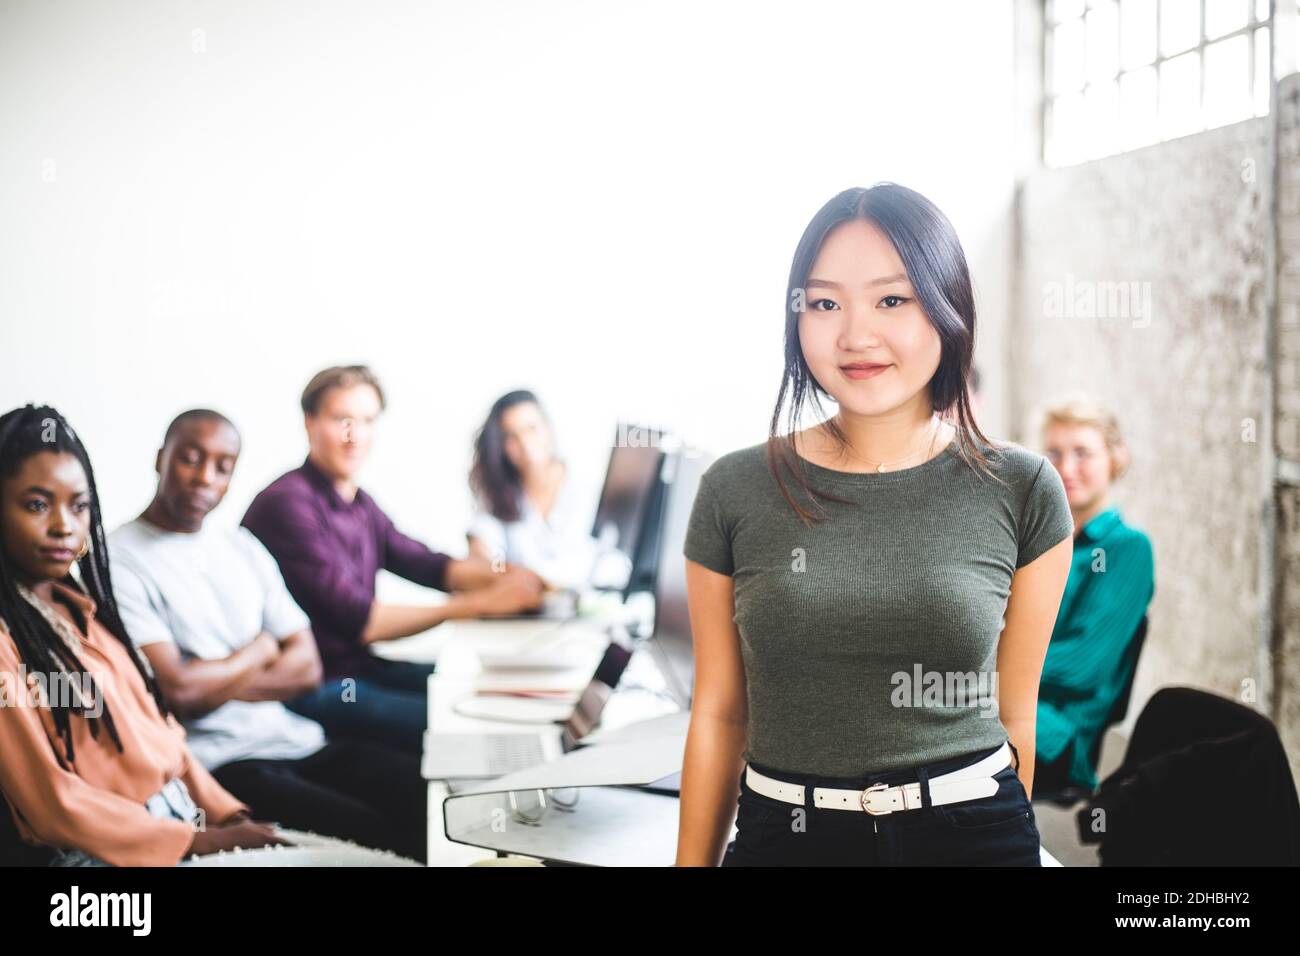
(1153, 810)
(1132, 654)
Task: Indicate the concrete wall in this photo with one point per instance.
(1202, 370)
(1286, 638)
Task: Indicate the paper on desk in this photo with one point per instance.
(632, 756)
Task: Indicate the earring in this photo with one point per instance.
(85, 548)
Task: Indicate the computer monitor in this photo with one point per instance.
(671, 642)
(631, 502)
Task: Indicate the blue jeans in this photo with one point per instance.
(999, 830)
(388, 703)
(68, 857)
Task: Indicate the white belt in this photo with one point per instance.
(965, 783)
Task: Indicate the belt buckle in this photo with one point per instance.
(863, 799)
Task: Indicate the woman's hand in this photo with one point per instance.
(236, 832)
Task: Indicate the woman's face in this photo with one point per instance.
(342, 430)
(45, 515)
(526, 436)
(1080, 457)
(863, 333)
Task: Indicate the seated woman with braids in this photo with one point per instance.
(92, 763)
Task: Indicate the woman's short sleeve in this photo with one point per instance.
(708, 531)
(1045, 519)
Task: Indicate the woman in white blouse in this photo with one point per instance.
(530, 509)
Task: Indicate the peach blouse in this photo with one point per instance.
(98, 806)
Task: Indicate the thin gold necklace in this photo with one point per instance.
(934, 433)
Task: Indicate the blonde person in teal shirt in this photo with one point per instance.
(1112, 580)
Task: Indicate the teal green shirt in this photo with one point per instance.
(1112, 580)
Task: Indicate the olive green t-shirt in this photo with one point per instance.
(870, 639)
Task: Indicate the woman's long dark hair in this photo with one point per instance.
(25, 432)
(936, 267)
(493, 477)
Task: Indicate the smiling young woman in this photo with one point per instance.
(828, 564)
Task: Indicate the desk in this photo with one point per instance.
(455, 646)
(612, 826)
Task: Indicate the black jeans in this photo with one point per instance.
(999, 830)
(351, 789)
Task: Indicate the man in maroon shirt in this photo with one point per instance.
(330, 539)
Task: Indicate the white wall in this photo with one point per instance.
(205, 202)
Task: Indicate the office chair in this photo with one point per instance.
(1154, 811)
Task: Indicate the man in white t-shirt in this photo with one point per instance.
(209, 610)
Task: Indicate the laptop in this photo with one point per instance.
(485, 755)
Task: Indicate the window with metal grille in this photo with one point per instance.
(1120, 74)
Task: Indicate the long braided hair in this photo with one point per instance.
(25, 432)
